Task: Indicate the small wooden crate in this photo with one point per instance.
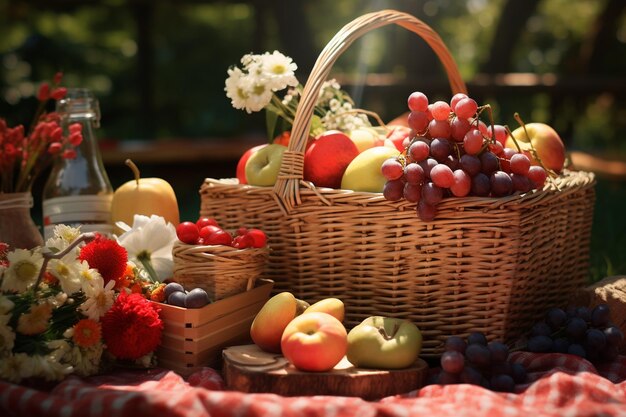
(194, 338)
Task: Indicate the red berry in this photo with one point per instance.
(207, 231)
(243, 242)
(187, 232)
(259, 237)
(206, 221)
(242, 231)
(220, 237)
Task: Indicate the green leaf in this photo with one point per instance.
(317, 127)
(271, 118)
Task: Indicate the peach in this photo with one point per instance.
(314, 342)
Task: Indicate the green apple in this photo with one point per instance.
(363, 173)
(384, 343)
(263, 165)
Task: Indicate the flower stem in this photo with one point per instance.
(144, 258)
(85, 237)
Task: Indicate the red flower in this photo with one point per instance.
(44, 92)
(132, 327)
(105, 255)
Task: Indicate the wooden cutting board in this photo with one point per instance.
(249, 369)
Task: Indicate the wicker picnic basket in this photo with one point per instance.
(484, 264)
(222, 271)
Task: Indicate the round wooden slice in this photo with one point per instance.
(249, 369)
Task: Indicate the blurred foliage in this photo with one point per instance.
(193, 43)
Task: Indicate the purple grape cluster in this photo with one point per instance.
(451, 152)
(176, 295)
(580, 331)
(478, 362)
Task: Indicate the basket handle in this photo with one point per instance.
(287, 187)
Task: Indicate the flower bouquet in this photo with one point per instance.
(25, 154)
(74, 306)
(254, 87)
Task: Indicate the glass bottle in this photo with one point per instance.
(78, 191)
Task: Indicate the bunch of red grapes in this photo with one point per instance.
(452, 153)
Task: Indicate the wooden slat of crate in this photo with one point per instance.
(195, 317)
(205, 330)
(222, 331)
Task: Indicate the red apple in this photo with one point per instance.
(327, 158)
(314, 342)
(241, 165)
(397, 135)
(546, 142)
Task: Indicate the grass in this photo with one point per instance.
(608, 235)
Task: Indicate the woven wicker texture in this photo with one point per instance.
(222, 271)
(484, 264)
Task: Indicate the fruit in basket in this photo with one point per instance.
(270, 322)
(332, 306)
(187, 232)
(145, 196)
(452, 153)
(363, 173)
(176, 295)
(241, 164)
(365, 138)
(314, 342)
(398, 135)
(327, 158)
(263, 165)
(197, 298)
(384, 343)
(546, 142)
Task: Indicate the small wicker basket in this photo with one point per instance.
(222, 271)
(484, 264)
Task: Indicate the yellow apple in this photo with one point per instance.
(363, 173)
(145, 196)
(546, 142)
(365, 138)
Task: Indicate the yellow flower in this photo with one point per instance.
(36, 320)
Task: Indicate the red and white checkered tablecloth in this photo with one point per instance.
(558, 385)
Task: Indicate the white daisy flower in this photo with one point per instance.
(66, 271)
(23, 270)
(89, 277)
(260, 96)
(149, 243)
(63, 236)
(278, 70)
(7, 335)
(237, 88)
(99, 300)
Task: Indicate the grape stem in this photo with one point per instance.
(533, 151)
